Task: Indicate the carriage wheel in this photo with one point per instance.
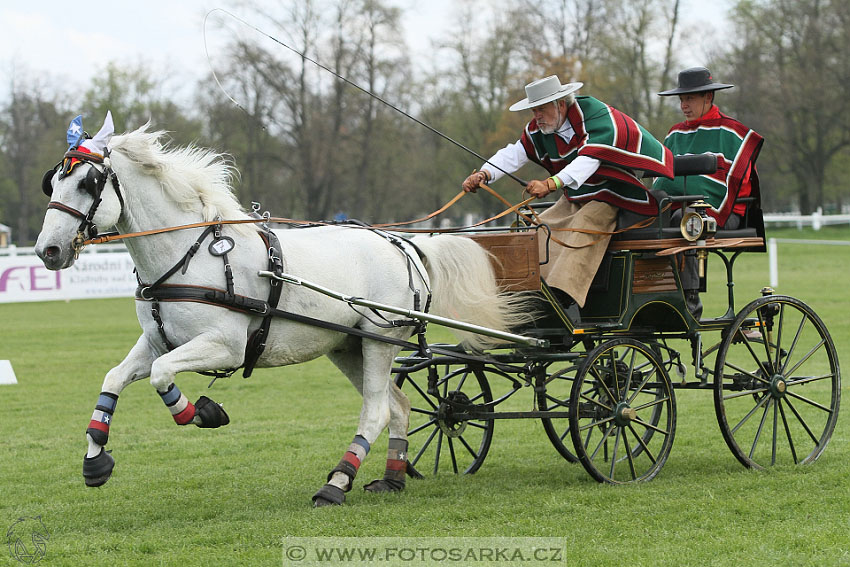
(438, 441)
(623, 417)
(556, 396)
(777, 384)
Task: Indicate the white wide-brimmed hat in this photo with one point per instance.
(545, 90)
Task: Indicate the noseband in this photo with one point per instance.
(94, 184)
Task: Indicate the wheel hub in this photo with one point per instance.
(623, 414)
(778, 386)
(449, 425)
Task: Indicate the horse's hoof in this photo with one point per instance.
(97, 470)
(384, 485)
(328, 495)
(212, 414)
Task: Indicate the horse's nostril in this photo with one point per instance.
(51, 252)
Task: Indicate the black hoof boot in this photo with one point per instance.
(212, 414)
(328, 495)
(385, 485)
(97, 470)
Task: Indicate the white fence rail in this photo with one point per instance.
(773, 255)
(816, 220)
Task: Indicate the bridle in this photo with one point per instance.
(100, 171)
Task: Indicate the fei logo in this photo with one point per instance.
(29, 278)
(27, 539)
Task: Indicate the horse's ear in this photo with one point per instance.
(47, 182)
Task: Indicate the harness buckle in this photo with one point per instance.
(78, 244)
(142, 292)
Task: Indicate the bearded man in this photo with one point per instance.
(595, 156)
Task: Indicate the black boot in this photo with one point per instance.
(694, 303)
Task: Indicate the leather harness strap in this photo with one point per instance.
(257, 342)
(161, 291)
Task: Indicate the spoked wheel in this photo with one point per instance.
(623, 417)
(777, 384)
(440, 438)
(555, 396)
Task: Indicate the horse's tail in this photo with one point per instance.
(463, 287)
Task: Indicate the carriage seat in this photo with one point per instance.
(661, 228)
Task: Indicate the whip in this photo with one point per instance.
(347, 81)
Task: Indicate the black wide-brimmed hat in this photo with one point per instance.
(695, 80)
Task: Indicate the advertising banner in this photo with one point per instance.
(24, 278)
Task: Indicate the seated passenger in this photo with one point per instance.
(706, 129)
(594, 155)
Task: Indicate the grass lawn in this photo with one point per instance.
(186, 496)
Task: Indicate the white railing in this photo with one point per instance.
(12, 251)
(773, 255)
(816, 220)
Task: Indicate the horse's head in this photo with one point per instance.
(78, 202)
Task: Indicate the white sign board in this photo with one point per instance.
(24, 278)
(7, 375)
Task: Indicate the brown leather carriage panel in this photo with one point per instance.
(653, 275)
(515, 257)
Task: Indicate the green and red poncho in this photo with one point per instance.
(622, 146)
(737, 148)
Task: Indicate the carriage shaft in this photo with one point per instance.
(419, 315)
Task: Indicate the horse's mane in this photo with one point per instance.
(190, 175)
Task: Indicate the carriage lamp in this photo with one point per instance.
(696, 224)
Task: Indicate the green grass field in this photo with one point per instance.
(186, 496)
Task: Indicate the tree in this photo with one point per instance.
(135, 94)
(793, 64)
(254, 132)
(30, 137)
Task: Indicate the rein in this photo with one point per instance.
(389, 227)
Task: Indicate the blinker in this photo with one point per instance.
(92, 181)
(89, 184)
(47, 181)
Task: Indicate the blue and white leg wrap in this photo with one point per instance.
(101, 418)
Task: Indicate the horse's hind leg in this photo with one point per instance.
(98, 464)
(368, 368)
(395, 471)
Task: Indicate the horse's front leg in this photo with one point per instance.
(204, 352)
(98, 464)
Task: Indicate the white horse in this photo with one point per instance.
(142, 185)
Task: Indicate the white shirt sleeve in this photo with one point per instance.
(510, 158)
(513, 156)
(578, 171)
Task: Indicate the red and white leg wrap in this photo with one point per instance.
(350, 462)
(396, 460)
(182, 410)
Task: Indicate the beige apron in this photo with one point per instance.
(572, 269)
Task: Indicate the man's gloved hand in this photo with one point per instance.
(540, 189)
(471, 183)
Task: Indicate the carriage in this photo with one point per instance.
(604, 386)
(602, 378)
